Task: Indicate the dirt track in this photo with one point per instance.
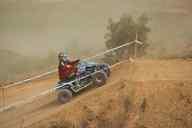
(158, 73)
(35, 108)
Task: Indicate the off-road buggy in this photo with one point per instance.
(88, 73)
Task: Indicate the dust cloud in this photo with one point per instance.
(34, 27)
(38, 29)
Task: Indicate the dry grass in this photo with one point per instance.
(167, 105)
(150, 96)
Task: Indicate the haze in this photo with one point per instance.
(34, 27)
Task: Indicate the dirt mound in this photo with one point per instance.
(128, 104)
(145, 94)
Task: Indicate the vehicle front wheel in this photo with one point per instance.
(99, 79)
(64, 96)
(108, 71)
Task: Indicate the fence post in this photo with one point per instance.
(3, 97)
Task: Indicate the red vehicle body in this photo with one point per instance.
(67, 70)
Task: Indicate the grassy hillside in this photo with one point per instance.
(128, 104)
(144, 94)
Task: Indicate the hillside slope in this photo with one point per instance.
(144, 94)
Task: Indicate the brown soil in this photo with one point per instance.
(143, 94)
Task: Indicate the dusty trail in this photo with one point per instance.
(39, 108)
(26, 90)
(141, 71)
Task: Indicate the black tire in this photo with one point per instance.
(99, 79)
(108, 72)
(64, 96)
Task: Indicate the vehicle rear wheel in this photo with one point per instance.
(99, 79)
(108, 71)
(64, 96)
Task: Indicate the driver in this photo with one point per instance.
(63, 59)
(67, 68)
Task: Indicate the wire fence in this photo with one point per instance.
(20, 103)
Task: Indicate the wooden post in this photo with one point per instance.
(3, 96)
(135, 50)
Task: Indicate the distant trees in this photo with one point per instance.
(125, 30)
